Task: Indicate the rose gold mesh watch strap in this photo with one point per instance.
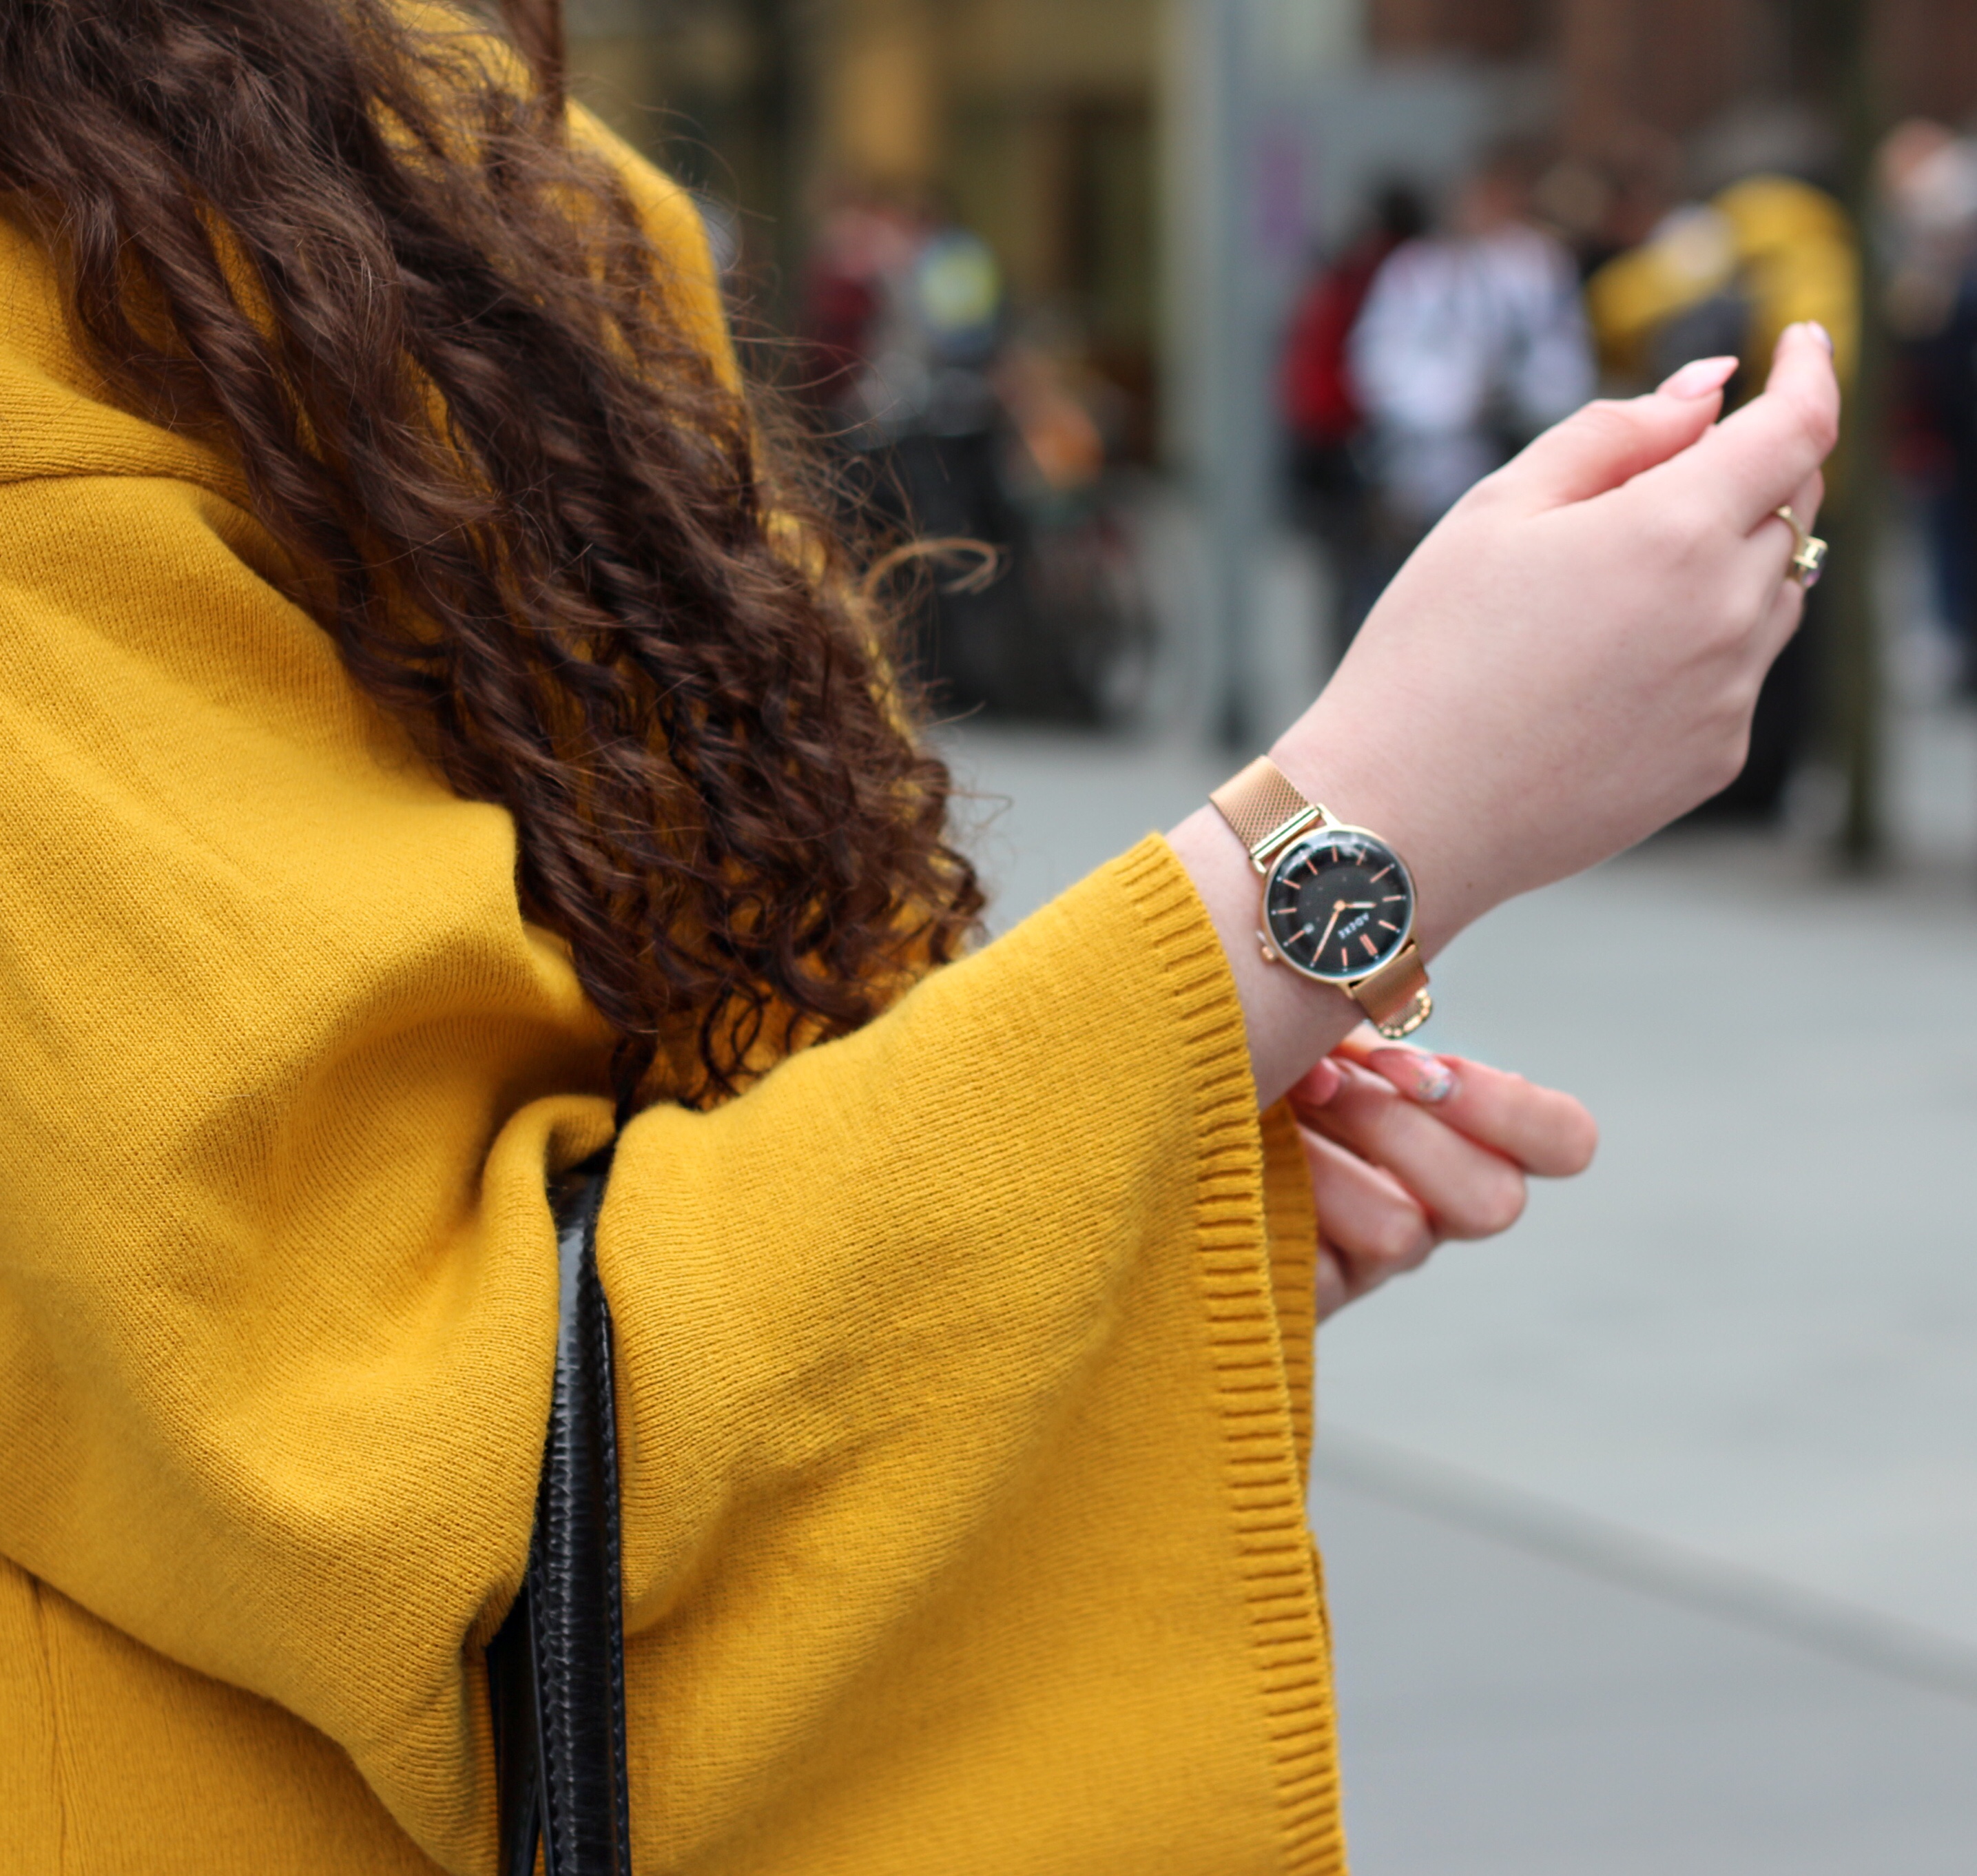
(1261, 804)
(1395, 997)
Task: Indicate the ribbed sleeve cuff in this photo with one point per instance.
(1248, 1362)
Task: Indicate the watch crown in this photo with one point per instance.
(1269, 950)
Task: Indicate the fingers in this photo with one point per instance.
(1405, 1148)
(1808, 499)
(1779, 599)
(1780, 618)
(1465, 1189)
(1547, 1133)
(1763, 455)
(1319, 1082)
(1606, 443)
(1370, 1229)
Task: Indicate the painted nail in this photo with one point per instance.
(1699, 378)
(1426, 1078)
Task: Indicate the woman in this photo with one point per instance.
(436, 741)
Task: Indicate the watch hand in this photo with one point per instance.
(1333, 920)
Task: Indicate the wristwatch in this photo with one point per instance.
(1338, 904)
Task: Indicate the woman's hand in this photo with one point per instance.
(1408, 1149)
(1567, 663)
(1571, 658)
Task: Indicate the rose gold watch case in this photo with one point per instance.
(1273, 819)
(1321, 828)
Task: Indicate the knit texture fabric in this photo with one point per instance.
(964, 1363)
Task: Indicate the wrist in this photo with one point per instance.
(1290, 1023)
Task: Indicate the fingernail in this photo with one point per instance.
(1699, 378)
(1426, 1078)
(1821, 334)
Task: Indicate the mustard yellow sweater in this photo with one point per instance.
(964, 1362)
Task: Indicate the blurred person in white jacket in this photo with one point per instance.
(1471, 342)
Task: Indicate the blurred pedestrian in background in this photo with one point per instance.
(860, 244)
(958, 423)
(1929, 181)
(1604, 202)
(1472, 340)
(1324, 422)
(1725, 276)
(902, 313)
(935, 315)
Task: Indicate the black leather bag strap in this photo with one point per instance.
(556, 1669)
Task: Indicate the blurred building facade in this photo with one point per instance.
(1055, 128)
(1678, 65)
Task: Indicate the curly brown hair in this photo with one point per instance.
(540, 523)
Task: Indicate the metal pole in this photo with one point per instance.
(1238, 458)
(1218, 361)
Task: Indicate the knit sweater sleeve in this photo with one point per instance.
(939, 1348)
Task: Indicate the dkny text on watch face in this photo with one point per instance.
(1338, 903)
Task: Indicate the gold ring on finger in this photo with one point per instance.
(1808, 560)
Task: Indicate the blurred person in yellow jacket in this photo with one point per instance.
(1727, 275)
(1755, 258)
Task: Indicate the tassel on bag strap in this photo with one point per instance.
(556, 1669)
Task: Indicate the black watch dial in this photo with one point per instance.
(1337, 904)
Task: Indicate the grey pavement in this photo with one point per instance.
(1733, 1368)
(1506, 1714)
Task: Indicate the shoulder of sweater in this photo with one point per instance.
(57, 417)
